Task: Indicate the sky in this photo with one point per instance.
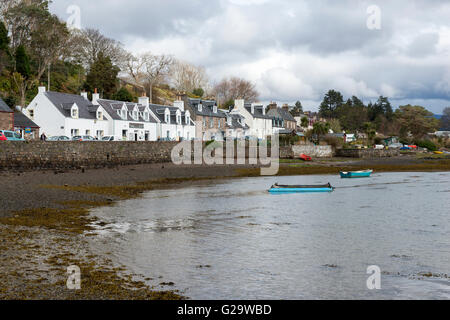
(292, 49)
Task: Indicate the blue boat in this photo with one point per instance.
(356, 174)
(276, 188)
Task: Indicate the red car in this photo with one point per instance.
(2, 137)
(305, 157)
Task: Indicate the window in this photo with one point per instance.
(74, 112)
(31, 113)
(124, 114)
(88, 132)
(211, 122)
(215, 109)
(74, 132)
(146, 116)
(179, 119)
(200, 107)
(220, 122)
(168, 134)
(167, 118)
(99, 115)
(204, 121)
(99, 134)
(135, 115)
(188, 120)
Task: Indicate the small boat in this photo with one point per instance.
(276, 188)
(356, 174)
(305, 157)
(438, 152)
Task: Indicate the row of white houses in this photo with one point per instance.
(62, 114)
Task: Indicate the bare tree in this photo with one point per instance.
(187, 77)
(89, 43)
(235, 88)
(148, 69)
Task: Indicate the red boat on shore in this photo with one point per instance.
(305, 157)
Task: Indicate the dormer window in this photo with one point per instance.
(135, 115)
(178, 118)
(99, 115)
(146, 116)
(167, 116)
(215, 109)
(74, 112)
(31, 114)
(188, 119)
(200, 107)
(124, 114)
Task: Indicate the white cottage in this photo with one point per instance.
(67, 114)
(260, 125)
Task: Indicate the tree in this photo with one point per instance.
(381, 108)
(235, 88)
(445, 120)
(5, 55)
(199, 92)
(297, 110)
(335, 125)
(187, 77)
(305, 122)
(103, 76)
(22, 62)
(330, 104)
(352, 114)
(416, 120)
(370, 131)
(320, 129)
(148, 69)
(123, 95)
(88, 43)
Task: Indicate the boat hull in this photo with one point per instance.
(356, 174)
(299, 190)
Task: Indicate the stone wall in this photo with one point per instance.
(74, 154)
(367, 153)
(7, 121)
(313, 151)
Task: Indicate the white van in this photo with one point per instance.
(112, 138)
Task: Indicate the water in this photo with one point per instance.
(231, 239)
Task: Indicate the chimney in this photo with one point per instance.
(84, 95)
(286, 107)
(41, 89)
(144, 100)
(181, 96)
(179, 104)
(273, 106)
(95, 97)
(239, 104)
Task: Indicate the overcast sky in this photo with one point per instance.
(293, 50)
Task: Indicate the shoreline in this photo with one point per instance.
(52, 208)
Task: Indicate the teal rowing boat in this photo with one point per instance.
(356, 174)
(276, 188)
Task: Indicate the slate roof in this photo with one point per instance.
(159, 111)
(111, 107)
(22, 121)
(207, 108)
(279, 112)
(235, 124)
(64, 102)
(258, 111)
(4, 107)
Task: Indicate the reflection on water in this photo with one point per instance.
(233, 240)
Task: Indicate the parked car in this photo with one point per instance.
(395, 146)
(111, 138)
(379, 146)
(83, 138)
(2, 137)
(11, 135)
(405, 148)
(58, 138)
